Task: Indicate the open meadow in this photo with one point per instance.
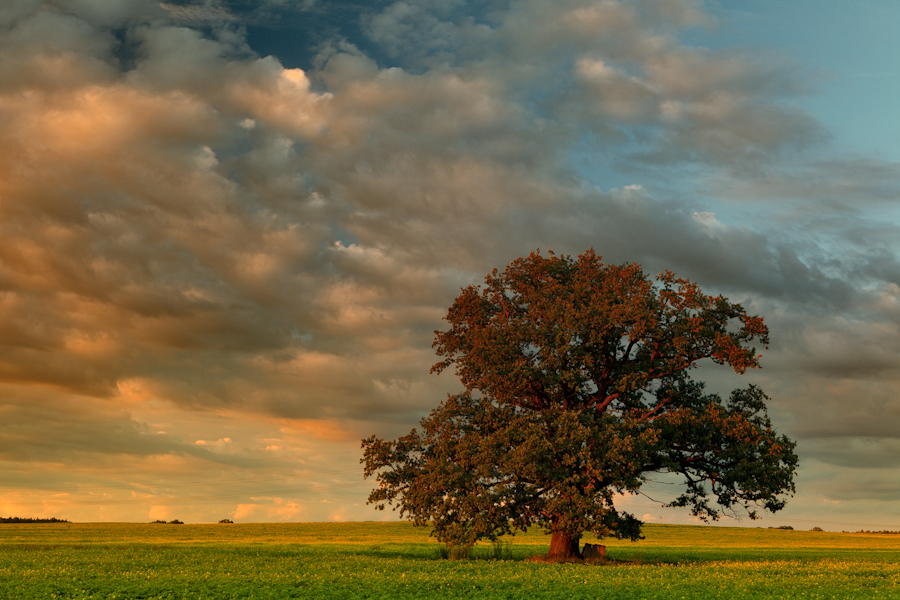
(397, 560)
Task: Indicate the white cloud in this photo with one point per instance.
(709, 223)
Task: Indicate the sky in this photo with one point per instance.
(229, 229)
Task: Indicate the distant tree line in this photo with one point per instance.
(30, 520)
(884, 531)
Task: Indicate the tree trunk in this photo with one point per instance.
(563, 546)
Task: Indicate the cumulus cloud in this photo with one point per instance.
(195, 235)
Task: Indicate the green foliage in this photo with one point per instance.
(577, 386)
(328, 560)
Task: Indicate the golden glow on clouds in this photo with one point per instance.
(332, 431)
(215, 269)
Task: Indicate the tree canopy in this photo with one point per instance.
(577, 388)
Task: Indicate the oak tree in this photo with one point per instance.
(578, 387)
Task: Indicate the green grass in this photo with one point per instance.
(396, 560)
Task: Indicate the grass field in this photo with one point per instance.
(396, 560)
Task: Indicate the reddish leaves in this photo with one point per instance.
(579, 333)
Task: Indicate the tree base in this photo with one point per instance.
(563, 547)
